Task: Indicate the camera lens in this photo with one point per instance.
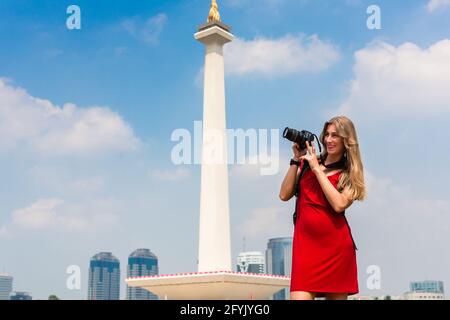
(300, 137)
(292, 135)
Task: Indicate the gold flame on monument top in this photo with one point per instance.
(214, 14)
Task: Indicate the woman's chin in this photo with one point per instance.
(331, 152)
(334, 153)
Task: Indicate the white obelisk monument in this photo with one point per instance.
(215, 278)
(214, 237)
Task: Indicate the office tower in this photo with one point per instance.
(5, 286)
(141, 262)
(425, 290)
(251, 261)
(104, 277)
(279, 261)
(427, 286)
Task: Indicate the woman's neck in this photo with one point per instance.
(332, 158)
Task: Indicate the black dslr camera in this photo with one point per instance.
(299, 137)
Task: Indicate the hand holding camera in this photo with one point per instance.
(297, 151)
(311, 156)
(302, 142)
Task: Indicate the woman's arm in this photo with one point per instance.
(338, 201)
(287, 190)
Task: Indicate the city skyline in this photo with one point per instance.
(87, 117)
(435, 289)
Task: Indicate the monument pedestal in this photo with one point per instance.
(215, 285)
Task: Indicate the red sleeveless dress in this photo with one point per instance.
(323, 250)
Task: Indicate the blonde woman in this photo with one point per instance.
(324, 253)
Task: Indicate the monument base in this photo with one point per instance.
(214, 285)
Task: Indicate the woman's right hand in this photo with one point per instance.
(297, 152)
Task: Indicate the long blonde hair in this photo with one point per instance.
(352, 178)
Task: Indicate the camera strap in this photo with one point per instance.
(318, 143)
(305, 166)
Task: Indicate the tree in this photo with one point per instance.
(53, 297)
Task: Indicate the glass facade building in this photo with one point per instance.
(104, 277)
(427, 286)
(279, 261)
(141, 263)
(5, 286)
(251, 261)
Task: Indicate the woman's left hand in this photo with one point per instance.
(311, 157)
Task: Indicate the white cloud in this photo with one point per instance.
(38, 123)
(38, 215)
(275, 57)
(147, 31)
(54, 214)
(170, 175)
(400, 81)
(436, 4)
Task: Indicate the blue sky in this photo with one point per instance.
(98, 175)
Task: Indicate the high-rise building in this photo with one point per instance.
(427, 286)
(141, 263)
(104, 277)
(279, 261)
(21, 296)
(425, 290)
(5, 286)
(251, 261)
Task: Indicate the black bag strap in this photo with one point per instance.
(305, 166)
(350, 231)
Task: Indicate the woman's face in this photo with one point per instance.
(333, 142)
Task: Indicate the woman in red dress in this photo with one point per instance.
(323, 252)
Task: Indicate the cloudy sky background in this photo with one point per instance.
(86, 118)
